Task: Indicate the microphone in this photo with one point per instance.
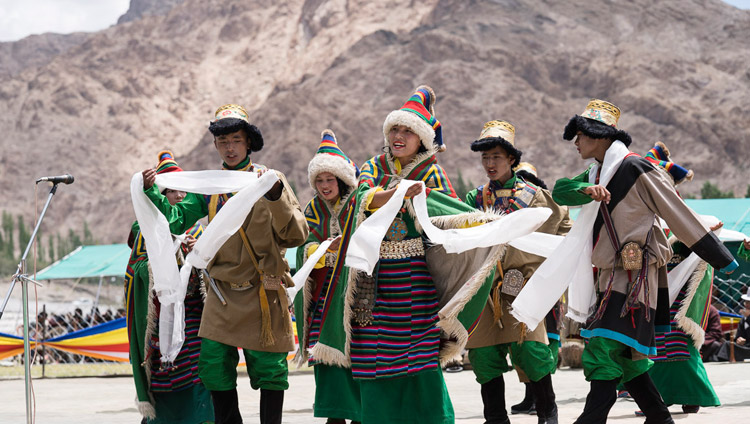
(65, 179)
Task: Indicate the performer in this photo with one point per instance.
(553, 320)
(333, 178)
(166, 393)
(247, 304)
(678, 372)
(498, 332)
(393, 327)
(630, 254)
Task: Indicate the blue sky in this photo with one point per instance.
(19, 18)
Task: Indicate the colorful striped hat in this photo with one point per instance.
(167, 163)
(659, 156)
(418, 113)
(330, 158)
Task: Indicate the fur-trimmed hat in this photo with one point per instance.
(330, 158)
(231, 118)
(167, 163)
(418, 114)
(659, 156)
(528, 172)
(598, 120)
(498, 133)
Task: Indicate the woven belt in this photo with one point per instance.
(401, 249)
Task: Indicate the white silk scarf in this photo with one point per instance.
(569, 265)
(170, 284)
(364, 245)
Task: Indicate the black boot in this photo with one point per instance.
(601, 397)
(271, 405)
(527, 405)
(546, 408)
(646, 395)
(226, 407)
(493, 397)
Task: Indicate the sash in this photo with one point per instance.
(170, 283)
(364, 245)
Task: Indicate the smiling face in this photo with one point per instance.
(233, 147)
(174, 196)
(327, 186)
(497, 164)
(404, 143)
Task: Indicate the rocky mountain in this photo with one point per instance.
(141, 8)
(102, 109)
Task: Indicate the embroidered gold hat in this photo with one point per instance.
(602, 111)
(525, 166)
(498, 133)
(502, 129)
(527, 172)
(599, 121)
(232, 118)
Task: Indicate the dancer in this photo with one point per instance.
(630, 253)
(166, 393)
(498, 332)
(393, 330)
(333, 178)
(247, 305)
(678, 372)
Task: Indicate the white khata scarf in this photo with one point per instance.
(570, 263)
(170, 284)
(364, 245)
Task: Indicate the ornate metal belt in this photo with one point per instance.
(401, 249)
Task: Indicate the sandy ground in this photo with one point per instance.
(110, 400)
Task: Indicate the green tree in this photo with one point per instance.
(747, 192)
(8, 228)
(74, 240)
(712, 191)
(51, 248)
(88, 238)
(23, 233)
(462, 186)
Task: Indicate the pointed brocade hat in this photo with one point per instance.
(498, 133)
(167, 163)
(659, 156)
(330, 158)
(418, 114)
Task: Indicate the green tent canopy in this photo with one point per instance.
(89, 261)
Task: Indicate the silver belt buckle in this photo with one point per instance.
(512, 282)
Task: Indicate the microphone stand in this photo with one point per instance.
(24, 279)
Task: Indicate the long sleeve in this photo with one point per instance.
(662, 199)
(183, 215)
(713, 328)
(568, 191)
(287, 220)
(471, 198)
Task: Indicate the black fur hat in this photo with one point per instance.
(231, 118)
(498, 133)
(594, 129)
(598, 120)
